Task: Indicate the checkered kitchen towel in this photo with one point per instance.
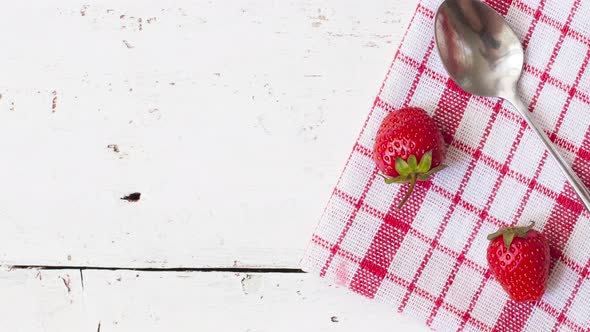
(428, 260)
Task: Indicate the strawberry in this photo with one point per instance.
(519, 259)
(408, 147)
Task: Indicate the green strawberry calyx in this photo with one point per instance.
(509, 233)
(411, 171)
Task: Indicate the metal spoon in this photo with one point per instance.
(484, 57)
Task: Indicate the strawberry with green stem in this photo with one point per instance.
(519, 259)
(408, 148)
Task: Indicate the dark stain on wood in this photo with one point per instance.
(114, 147)
(67, 283)
(133, 197)
(54, 102)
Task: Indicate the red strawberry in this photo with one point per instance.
(408, 147)
(519, 259)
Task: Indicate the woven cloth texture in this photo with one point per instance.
(428, 260)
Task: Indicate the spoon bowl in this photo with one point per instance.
(478, 49)
(484, 57)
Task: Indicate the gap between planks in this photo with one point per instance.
(178, 269)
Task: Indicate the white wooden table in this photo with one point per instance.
(231, 118)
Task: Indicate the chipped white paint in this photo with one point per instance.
(251, 283)
(49, 301)
(232, 118)
(180, 301)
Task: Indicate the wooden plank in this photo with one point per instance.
(177, 301)
(231, 118)
(34, 300)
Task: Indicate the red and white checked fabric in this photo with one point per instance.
(428, 260)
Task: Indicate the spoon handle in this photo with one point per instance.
(573, 179)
